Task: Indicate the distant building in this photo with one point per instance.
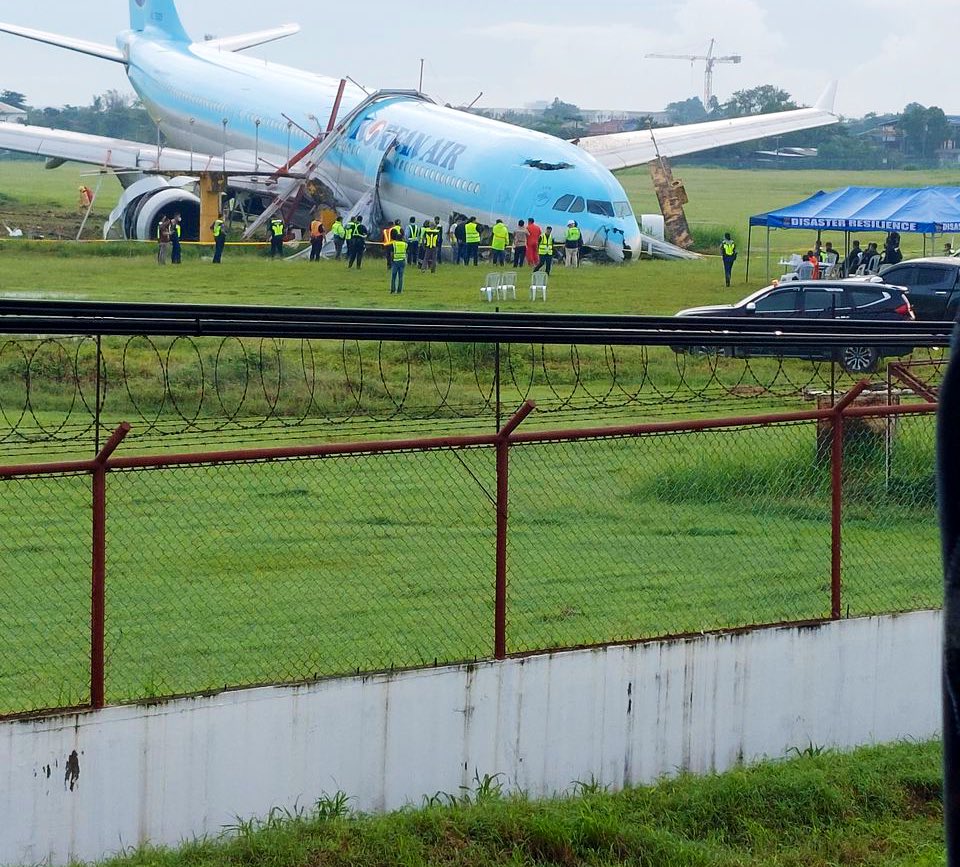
(889, 136)
(12, 114)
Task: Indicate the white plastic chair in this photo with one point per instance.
(538, 284)
(508, 283)
(491, 286)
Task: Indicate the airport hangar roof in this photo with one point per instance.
(926, 210)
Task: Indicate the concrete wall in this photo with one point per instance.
(83, 786)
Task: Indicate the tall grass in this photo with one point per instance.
(878, 806)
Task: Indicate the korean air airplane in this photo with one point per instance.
(396, 154)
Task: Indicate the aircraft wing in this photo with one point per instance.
(249, 40)
(626, 149)
(115, 153)
(95, 49)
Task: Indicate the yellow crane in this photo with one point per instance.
(710, 60)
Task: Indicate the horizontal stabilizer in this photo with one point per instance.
(249, 40)
(95, 49)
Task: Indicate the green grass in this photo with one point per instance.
(258, 573)
(877, 806)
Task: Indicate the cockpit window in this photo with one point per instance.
(577, 206)
(603, 209)
(622, 209)
(562, 203)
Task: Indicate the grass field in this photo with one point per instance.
(879, 806)
(265, 572)
(257, 573)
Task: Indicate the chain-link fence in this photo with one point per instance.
(45, 561)
(276, 571)
(618, 539)
(289, 564)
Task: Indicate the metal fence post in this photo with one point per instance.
(836, 490)
(503, 495)
(98, 585)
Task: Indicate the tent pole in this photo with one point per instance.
(846, 252)
(768, 253)
(749, 243)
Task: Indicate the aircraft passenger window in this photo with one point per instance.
(578, 205)
(604, 209)
(563, 203)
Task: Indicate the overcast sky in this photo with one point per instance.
(884, 52)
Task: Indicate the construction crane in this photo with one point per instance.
(709, 62)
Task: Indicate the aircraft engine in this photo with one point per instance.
(154, 207)
(145, 202)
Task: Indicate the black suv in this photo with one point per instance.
(819, 299)
(934, 285)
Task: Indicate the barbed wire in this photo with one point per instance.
(63, 393)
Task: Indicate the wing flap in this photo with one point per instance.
(95, 49)
(627, 149)
(249, 40)
(114, 153)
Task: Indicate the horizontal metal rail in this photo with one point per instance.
(125, 318)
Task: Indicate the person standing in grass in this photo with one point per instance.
(533, 242)
(163, 240)
(571, 246)
(176, 232)
(728, 252)
(219, 239)
(519, 244)
(339, 235)
(501, 237)
(400, 248)
(545, 251)
(430, 244)
(317, 236)
(438, 225)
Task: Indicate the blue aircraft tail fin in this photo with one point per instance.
(157, 15)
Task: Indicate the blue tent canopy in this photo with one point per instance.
(926, 210)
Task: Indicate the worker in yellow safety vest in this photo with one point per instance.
(430, 241)
(400, 248)
(388, 245)
(219, 239)
(413, 241)
(545, 249)
(572, 244)
(339, 235)
(472, 236)
(277, 231)
(501, 237)
(728, 252)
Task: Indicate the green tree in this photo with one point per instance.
(687, 111)
(14, 98)
(763, 99)
(924, 130)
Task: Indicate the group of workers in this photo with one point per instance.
(413, 244)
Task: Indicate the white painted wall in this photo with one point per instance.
(622, 715)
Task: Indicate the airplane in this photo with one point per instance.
(390, 154)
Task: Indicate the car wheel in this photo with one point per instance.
(701, 351)
(859, 359)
